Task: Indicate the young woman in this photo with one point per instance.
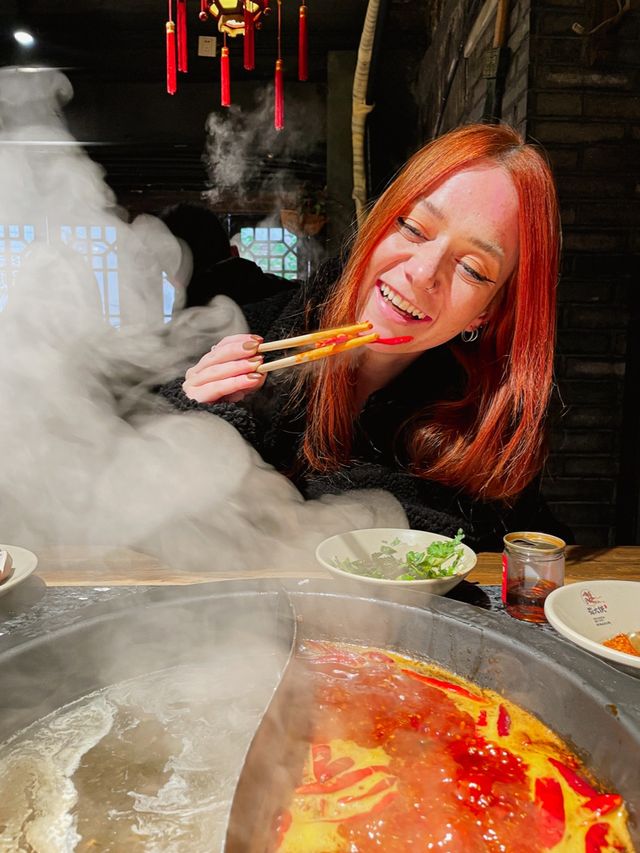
(461, 255)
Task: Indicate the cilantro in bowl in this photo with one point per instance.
(439, 560)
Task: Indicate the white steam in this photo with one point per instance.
(85, 454)
(240, 142)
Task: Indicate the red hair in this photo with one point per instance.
(490, 443)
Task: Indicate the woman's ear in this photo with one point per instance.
(480, 320)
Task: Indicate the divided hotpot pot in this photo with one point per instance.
(588, 703)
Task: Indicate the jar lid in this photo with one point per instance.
(528, 542)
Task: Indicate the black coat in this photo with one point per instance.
(274, 427)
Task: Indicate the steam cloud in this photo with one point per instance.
(238, 142)
(86, 456)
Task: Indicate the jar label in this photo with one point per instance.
(505, 574)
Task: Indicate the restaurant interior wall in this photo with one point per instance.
(579, 97)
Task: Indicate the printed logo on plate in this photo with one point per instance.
(596, 607)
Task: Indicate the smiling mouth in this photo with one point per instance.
(402, 305)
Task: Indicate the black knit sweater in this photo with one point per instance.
(274, 427)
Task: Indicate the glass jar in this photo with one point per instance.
(532, 567)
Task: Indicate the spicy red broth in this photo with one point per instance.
(406, 756)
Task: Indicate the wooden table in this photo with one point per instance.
(100, 566)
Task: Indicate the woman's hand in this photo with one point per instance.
(226, 372)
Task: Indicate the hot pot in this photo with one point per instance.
(592, 706)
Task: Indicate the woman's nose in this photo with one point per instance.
(421, 269)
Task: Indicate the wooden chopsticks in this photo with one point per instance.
(313, 337)
(351, 335)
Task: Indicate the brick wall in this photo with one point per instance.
(579, 97)
(584, 108)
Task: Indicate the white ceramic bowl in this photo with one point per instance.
(360, 544)
(592, 611)
(24, 564)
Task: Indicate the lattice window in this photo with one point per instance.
(275, 250)
(99, 244)
(14, 241)
(168, 298)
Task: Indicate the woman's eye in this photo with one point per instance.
(475, 275)
(410, 229)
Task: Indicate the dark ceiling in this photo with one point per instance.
(105, 45)
(116, 39)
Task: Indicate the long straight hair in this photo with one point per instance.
(490, 443)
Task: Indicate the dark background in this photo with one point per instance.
(578, 95)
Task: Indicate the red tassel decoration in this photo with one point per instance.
(181, 21)
(279, 105)
(172, 83)
(225, 79)
(203, 14)
(303, 63)
(249, 40)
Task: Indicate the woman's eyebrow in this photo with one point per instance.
(431, 207)
(492, 248)
(486, 245)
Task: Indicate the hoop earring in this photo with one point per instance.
(469, 337)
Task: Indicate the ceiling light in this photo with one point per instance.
(24, 38)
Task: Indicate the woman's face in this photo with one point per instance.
(436, 271)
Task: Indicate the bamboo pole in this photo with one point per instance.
(360, 108)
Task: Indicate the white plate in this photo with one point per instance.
(24, 563)
(360, 544)
(592, 611)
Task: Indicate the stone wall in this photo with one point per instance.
(579, 97)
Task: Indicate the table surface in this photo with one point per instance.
(92, 566)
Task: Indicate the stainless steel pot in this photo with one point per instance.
(591, 705)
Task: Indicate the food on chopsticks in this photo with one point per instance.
(392, 342)
(315, 337)
(392, 562)
(624, 643)
(324, 343)
(402, 755)
(6, 565)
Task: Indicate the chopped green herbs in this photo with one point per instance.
(439, 560)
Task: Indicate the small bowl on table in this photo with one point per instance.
(360, 545)
(590, 612)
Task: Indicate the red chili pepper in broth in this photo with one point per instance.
(338, 783)
(548, 796)
(482, 719)
(603, 803)
(444, 685)
(325, 769)
(382, 785)
(401, 339)
(596, 838)
(379, 806)
(578, 783)
(283, 822)
(504, 721)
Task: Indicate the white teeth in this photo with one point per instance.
(397, 300)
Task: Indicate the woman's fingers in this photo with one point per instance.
(232, 348)
(221, 389)
(215, 372)
(227, 371)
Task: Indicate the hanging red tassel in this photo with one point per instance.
(249, 40)
(172, 83)
(181, 21)
(303, 63)
(203, 14)
(279, 105)
(225, 79)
